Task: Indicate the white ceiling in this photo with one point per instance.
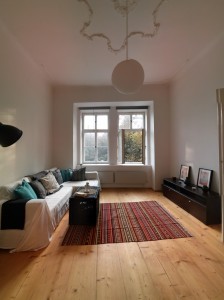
(49, 31)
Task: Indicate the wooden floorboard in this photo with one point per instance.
(185, 268)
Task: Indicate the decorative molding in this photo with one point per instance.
(123, 10)
(127, 6)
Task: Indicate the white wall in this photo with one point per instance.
(25, 102)
(194, 113)
(65, 97)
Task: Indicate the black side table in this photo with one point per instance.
(84, 209)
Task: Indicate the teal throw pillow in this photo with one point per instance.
(25, 191)
(66, 174)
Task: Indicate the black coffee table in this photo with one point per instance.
(84, 207)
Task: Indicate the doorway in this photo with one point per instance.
(220, 102)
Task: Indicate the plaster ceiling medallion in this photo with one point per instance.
(120, 6)
(128, 75)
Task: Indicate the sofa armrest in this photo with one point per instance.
(92, 175)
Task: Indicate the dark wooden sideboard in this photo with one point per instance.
(204, 205)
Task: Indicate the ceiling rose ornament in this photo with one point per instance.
(120, 7)
(128, 75)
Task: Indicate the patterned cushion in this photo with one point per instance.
(50, 183)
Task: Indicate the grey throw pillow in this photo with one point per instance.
(79, 174)
(38, 175)
(57, 174)
(39, 189)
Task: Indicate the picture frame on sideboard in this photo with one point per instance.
(184, 172)
(204, 178)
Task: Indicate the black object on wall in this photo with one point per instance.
(9, 135)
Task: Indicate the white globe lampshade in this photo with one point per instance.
(128, 76)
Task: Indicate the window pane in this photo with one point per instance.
(89, 122)
(89, 139)
(89, 154)
(119, 147)
(102, 146)
(137, 121)
(124, 121)
(102, 139)
(102, 122)
(102, 154)
(133, 151)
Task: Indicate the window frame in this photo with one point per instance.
(144, 143)
(95, 131)
(111, 111)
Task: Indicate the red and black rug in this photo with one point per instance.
(127, 222)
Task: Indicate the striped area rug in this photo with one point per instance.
(127, 222)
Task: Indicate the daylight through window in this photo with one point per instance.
(113, 135)
(131, 138)
(95, 137)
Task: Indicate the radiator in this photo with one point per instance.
(106, 176)
(133, 177)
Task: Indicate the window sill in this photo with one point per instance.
(118, 165)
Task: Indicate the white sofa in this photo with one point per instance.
(42, 216)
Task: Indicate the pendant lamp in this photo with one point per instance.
(128, 75)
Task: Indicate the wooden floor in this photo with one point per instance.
(189, 268)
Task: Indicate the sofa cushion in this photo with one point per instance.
(7, 191)
(66, 174)
(79, 174)
(57, 174)
(25, 191)
(50, 183)
(38, 175)
(55, 190)
(39, 189)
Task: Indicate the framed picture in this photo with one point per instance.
(184, 172)
(204, 178)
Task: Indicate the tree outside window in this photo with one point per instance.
(131, 138)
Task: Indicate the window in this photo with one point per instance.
(131, 138)
(94, 137)
(113, 135)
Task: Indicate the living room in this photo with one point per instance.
(184, 110)
(184, 107)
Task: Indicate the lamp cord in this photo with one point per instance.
(126, 29)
